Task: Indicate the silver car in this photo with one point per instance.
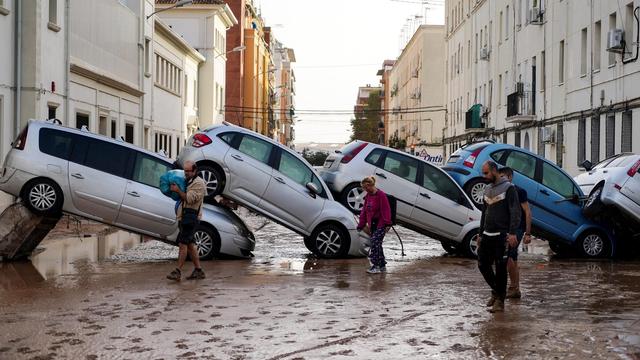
(612, 182)
(57, 169)
(276, 182)
(429, 201)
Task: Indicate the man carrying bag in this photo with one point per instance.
(188, 215)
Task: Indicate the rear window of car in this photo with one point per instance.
(622, 161)
(56, 143)
(374, 156)
(350, 147)
(476, 146)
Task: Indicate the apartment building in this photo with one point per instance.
(554, 77)
(283, 96)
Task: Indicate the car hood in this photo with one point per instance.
(218, 214)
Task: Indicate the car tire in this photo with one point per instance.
(475, 190)
(449, 247)
(213, 178)
(594, 205)
(559, 248)
(329, 241)
(470, 245)
(593, 244)
(353, 198)
(207, 242)
(43, 197)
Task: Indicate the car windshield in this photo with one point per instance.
(622, 161)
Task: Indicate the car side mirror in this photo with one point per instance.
(587, 165)
(313, 188)
(575, 198)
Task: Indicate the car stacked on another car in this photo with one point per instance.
(428, 200)
(59, 169)
(613, 182)
(276, 182)
(555, 198)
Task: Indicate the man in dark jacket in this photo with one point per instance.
(498, 226)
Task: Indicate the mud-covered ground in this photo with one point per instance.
(284, 305)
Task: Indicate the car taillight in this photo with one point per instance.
(348, 157)
(200, 140)
(21, 141)
(634, 169)
(470, 161)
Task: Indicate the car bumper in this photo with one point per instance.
(613, 197)
(13, 180)
(336, 181)
(236, 245)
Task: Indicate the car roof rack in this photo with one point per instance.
(54, 121)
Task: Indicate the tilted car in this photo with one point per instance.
(428, 200)
(276, 182)
(613, 182)
(55, 168)
(556, 200)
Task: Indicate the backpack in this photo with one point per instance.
(393, 203)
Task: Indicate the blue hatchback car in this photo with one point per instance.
(555, 199)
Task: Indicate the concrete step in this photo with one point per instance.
(21, 231)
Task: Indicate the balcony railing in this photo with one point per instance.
(520, 107)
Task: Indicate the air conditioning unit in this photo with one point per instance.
(615, 38)
(484, 53)
(548, 135)
(535, 16)
(520, 88)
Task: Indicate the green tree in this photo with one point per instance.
(315, 158)
(365, 125)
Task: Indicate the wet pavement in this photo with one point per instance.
(284, 305)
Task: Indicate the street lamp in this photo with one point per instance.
(180, 3)
(235, 49)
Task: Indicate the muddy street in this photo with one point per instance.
(283, 304)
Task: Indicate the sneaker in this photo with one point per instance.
(514, 294)
(498, 306)
(374, 270)
(174, 275)
(492, 300)
(197, 274)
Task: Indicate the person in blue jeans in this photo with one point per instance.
(375, 220)
(523, 234)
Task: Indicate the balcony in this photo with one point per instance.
(520, 107)
(473, 120)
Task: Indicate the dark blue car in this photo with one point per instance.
(555, 199)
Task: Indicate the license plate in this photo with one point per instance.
(328, 163)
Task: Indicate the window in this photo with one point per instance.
(148, 170)
(186, 90)
(162, 143)
(541, 145)
(543, 65)
(291, 167)
(228, 137)
(53, 12)
(612, 25)
(499, 90)
(622, 161)
(435, 180)
(102, 125)
(610, 143)
(498, 156)
(55, 143)
(524, 164)
(516, 140)
(113, 164)
(561, 63)
(501, 29)
(114, 129)
(597, 44)
(374, 157)
(256, 148)
(629, 23)
(583, 52)
(559, 144)
(147, 56)
(82, 120)
(595, 139)
(506, 27)
(402, 166)
(128, 133)
(557, 181)
(627, 123)
(52, 111)
(168, 75)
(582, 140)
(477, 49)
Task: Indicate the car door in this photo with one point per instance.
(249, 168)
(145, 208)
(524, 176)
(560, 209)
(441, 206)
(397, 176)
(631, 187)
(287, 197)
(96, 177)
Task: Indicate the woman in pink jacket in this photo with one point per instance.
(375, 220)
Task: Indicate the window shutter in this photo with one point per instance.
(595, 139)
(627, 121)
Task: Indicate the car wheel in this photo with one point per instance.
(594, 206)
(470, 244)
(212, 178)
(329, 241)
(592, 244)
(43, 197)
(207, 242)
(353, 198)
(449, 247)
(475, 190)
(559, 248)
